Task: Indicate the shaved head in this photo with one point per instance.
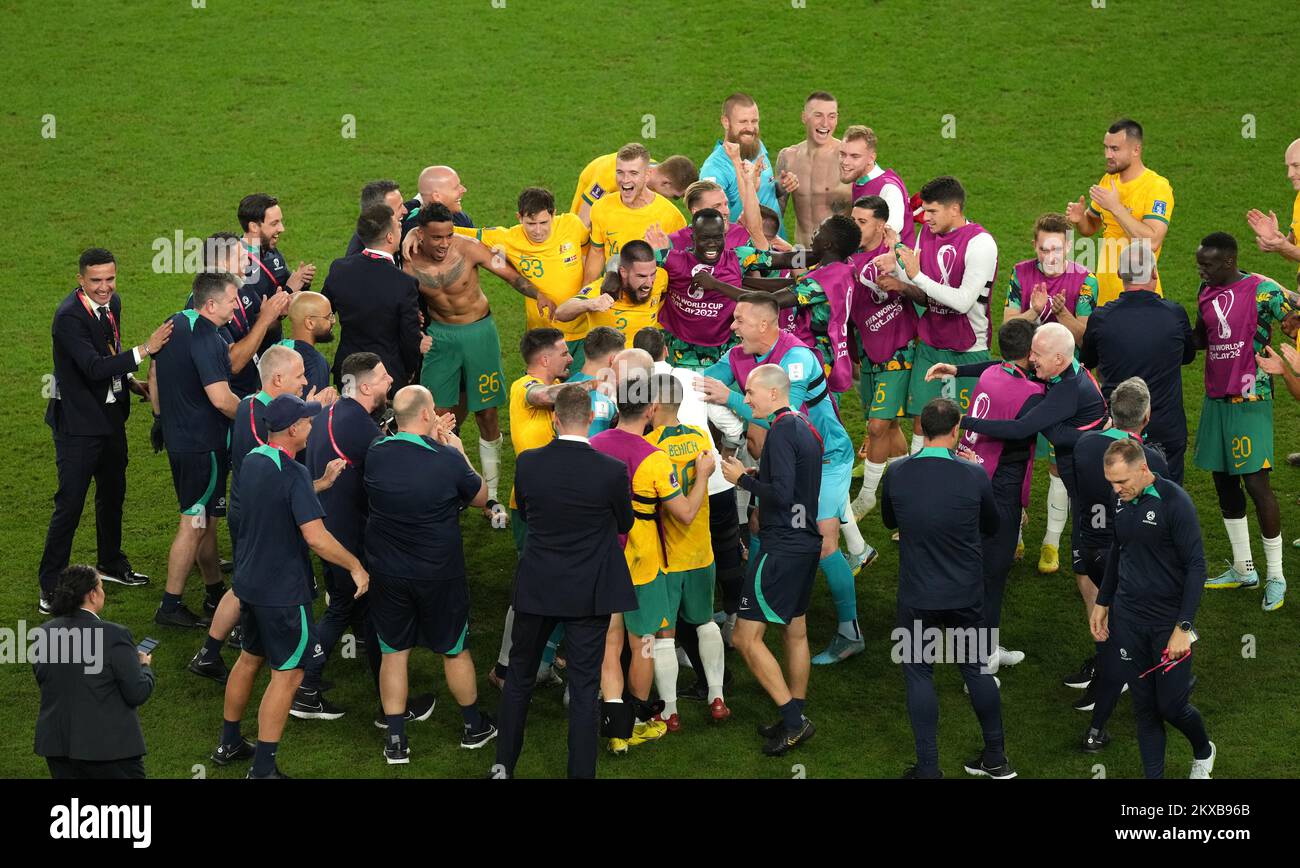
(1052, 350)
(771, 377)
(632, 360)
(307, 304)
(409, 404)
(441, 184)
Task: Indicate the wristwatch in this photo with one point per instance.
(1185, 626)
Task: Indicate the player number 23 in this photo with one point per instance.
(530, 267)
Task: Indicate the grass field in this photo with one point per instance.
(165, 115)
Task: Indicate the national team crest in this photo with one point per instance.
(1159, 207)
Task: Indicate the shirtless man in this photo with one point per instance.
(815, 162)
(463, 365)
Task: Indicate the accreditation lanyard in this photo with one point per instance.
(265, 270)
(1166, 662)
(811, 426)
(252, 424)
(329, 427)
(112, 321)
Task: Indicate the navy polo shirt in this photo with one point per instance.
(245, 381)
(314, 365)
(353, 432)
(416, 489)
(941, 507)
(1155, 573)
(194, 357)
(1094, 497)
(788, 486)
(265, 281)
(247, 432)
(272, 560)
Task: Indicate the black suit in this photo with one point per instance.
(89, 432)
(377, 306)
(88, 726)
(575, 503)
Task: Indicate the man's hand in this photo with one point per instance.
(656, 237)
(332, 471)
(732, 150)
(443, 424)
(1270, 362)
(1180, 644)
(1076, 211)
(712, 390)
(1106, 197)
(889, 283)
(704, 466)
(1291, 355)
(159, 338)
(1039, 299)
(545, 305)
(601, 303)
(1058, 306)
(1264, 226)
(788, 181)
(275, 306)
(965, 454)
(139, 387)
(361, 579)
(411, 243)
(425, 343)
(156, 435)
(301, 276)
(145, 659)
(911, 261)
(779, 244)
(324, 397)
(732, 470)
(940, 371)
(1099, 623)
(884, 263)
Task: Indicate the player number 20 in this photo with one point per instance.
(489, 384)
(1241, 448)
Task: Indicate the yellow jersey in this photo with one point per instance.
(530, 426)
(554, 266)
(690, 546)
(655, 481)
(613, 224)
(626, 317)
(1147, 197)
(596, 181)
(1295, 227)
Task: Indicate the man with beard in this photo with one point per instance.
(618, 220)
(740, 125)
(312, 320)
(696, 316)
(1235, 316)
(265, 270)
(858, 167)
(821, 189)
(1129, 203)
(670, 179)
(631, 306)
(462, 368)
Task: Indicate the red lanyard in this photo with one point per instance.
(265, 270)
(372, 255)
(1166, 662)
(329, 427)
(252, 425)
(285, 451)
(811, 426)
(112, 320)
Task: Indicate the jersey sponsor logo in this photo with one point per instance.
(1151, 517)
(1159, 207)
(1123, 654)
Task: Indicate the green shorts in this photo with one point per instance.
(690, 592)
(1235, 438)
(921, 393)
(578, 350)
(519, 530)
(883, 392)
(1044, 449)
(686, 355)
(464, 359)
(651, 612)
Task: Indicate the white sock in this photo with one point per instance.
(1058, 510)
(849, 630)
(1273, 557)
(918, 443)
(714, 657)
(852, 536)
(504, 656)
(1239, 537)
(871, 473)
(489, 456)
(666, 674)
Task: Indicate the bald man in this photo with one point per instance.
(439, 184)
(312, 319)
(417, 481)
(1269, 237)
(631, 361)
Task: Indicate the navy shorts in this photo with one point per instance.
(408, 612)
(284, 635)
(1091, 562)
(778, 586)
(200, 481)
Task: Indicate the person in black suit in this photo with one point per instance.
(87, 412)
(377, 303)
(88, 727)
(379, 193)
(575, 502)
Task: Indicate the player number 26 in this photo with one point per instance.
(489, 384)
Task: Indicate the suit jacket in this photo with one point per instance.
(575, 501)
(377, 306)
(87, 716)
(84, 368)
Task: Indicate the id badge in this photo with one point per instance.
(117, 385)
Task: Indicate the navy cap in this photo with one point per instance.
(287, 409)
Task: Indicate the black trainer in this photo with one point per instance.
(914, 773)
(123, 575)
(771, 730)
(225, 754)
(275, 774)
(780, 745)
(209, 607)
(397, 754)
(227, 566)
(1095, 740)
(473, 739)
(1001, 772)
(1087, 701)
(417, 708)
(214, 668)
(1081, 679)
(236, 638)
(44, 606)
(181, 617)
(312, 705)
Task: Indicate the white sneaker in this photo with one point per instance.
(1009, 658)
(1201, 768)
(994, 661)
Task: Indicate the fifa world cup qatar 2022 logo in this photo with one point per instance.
(695, 291)
(1222, 305)
(979, 409)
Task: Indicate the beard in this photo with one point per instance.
(749, 146)
(324, 337)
